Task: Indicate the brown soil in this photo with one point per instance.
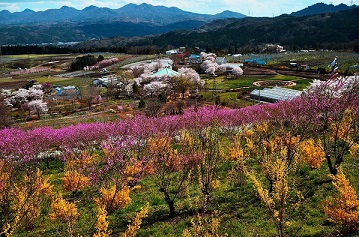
(13, 84)
(250, 70)
(257, 70)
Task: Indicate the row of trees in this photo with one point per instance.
(27, 99)
(264, 145)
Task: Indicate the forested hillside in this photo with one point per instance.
(330, 30)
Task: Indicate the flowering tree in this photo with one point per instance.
(208, 148)
(140, 69)
(21, 196)
(155, 88)
(192, 76)
(344, 208)
(203, 55)
(89, 94)
(276, 200)
(237, 72)
(333, 106)
(21, 96)
(46, 87)
(122, 169)
(209, 67)
(76, 171)
(64, 211)
(37, 106)
(171, 170)
(278, 165)
(221, 69)
(189, 79)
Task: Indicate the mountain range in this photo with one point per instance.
(71, 25)
(326, 30)
(159, 15)
(320, 8)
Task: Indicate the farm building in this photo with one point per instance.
(221, 60)
(67, 92)
(274, 94)
(195, 58)
(106, 80)
(172, 51)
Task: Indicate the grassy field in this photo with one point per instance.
(315, 59)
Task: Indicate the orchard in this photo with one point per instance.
(269, 169)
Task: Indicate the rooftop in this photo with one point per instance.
(274, 94)
(166, 72)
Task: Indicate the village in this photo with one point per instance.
(162, 84)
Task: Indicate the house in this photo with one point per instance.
(166, 72)
(194, 58)
(172, 51)
(258, 61)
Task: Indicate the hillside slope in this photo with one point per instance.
(311, 31)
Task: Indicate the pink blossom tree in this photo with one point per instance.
(334, 107)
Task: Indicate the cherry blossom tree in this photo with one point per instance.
(21, 96)
(209, 67)
(192, 76)
(38, 106)
(221, 69)
(155, 88)
(188, 79)
(237, 72)
(203, 55)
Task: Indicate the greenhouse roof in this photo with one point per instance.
(274, 94)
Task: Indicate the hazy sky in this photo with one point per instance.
(249, 7)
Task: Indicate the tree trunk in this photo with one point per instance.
(332, 169)
(171, 204)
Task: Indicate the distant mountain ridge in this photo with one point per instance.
(131, 12)
(320, 8)
(68, 24)
(316, 31)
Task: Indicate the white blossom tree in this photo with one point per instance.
(147, 77)
(221, 69)
(203, 55)
(209, 67)
(155, 88)
(38, 107)
(237, 72)
(21, 96)
(208, 56)
(192, 76)
(188, 79)
(333, 88)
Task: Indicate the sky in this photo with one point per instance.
(255, 8)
